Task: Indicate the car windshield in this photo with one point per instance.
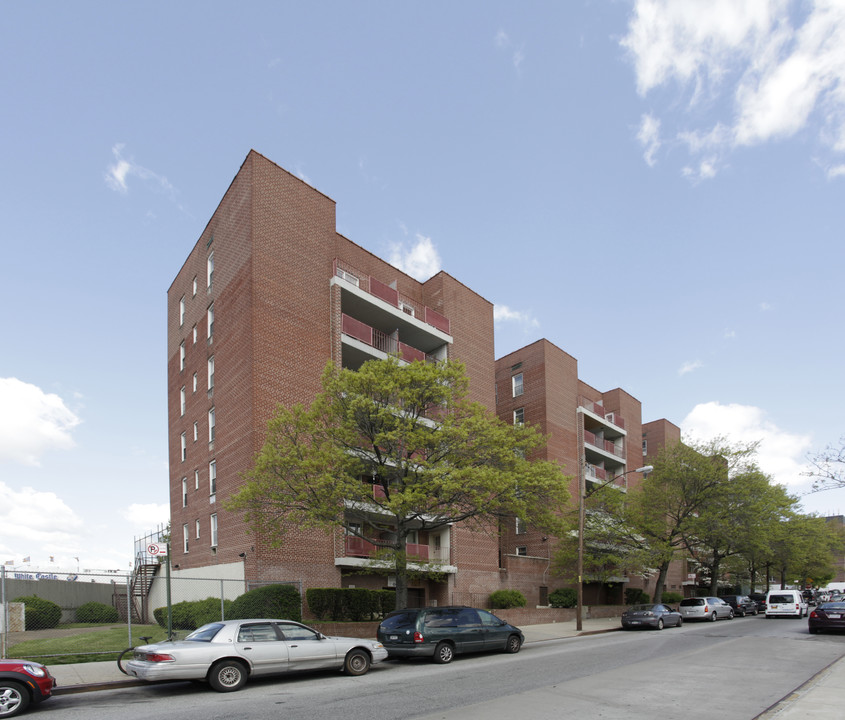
(205, 633)
(690, 602)
(833, 606)
(400, 620)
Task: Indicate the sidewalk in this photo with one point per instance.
(819, 697)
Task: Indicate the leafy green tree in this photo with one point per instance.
(804, 550)
(410, 433)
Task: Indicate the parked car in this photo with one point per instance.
(440, 633)
(227, 653)
(742, 604)
(786, 603)
(652, 616)
(705, 608)
(827, 616)
(760, 599)
(23, 683)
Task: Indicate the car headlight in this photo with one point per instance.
(34, 670)
(377, 645)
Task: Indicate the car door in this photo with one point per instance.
(670, 617)
(496, 631)
(307, 649)
(263, 647)
(470, 633)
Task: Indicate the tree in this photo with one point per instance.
(804, 550)
(391, 449)
(829, 467)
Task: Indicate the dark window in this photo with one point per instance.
(400, 620)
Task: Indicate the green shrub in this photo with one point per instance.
(636, 596)
(503, 599)
(97, 612)
(564, 598)
(41, 614)
(191, 614)
(339, 604)
(271, 601)
(672, 598)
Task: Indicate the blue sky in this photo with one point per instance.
(655, 186)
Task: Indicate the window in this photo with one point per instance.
(194, 334)
(211, 373)
(645, 447)
(185, 537)
(212, 477)
(522, 550)
(210, 319)
(194, 287)
(182, 355)
(214, 530)
(182, 400)
(211, 425)
(195, 382)
(209, 270)
(196, 479)
(521, 529)
(516, 384)
(198, 529)
(184, 442)
(196, 431)
(181, 311)
(519, 416)
(184, 492)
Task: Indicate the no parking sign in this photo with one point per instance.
(157, 549)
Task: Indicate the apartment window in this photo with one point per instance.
(194, 334)
(198, 529)
(212, 478)
(184, 492)
(182, 355)
(211, 425)
(210, 321)
(196, 479)
(211, 373)
(520, 526)
(184, 442)
(645, 447)
(519, 416)
(196, 431)
(182, 401)
(185, 538)
(209, 270)
(516, 384)
(522, 550)
(195, 382)
(214, 530)
(194, 287)
(181, 311)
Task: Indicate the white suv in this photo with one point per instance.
(786, 603)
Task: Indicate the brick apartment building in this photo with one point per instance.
(598, 433)
(270, 293)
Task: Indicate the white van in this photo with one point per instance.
(786, 603)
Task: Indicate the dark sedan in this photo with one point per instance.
(827, 616)
(651, 616)
(742, 604)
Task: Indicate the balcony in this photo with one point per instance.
(596, 409)
(358, 547)
(607, 446)
(381, 341)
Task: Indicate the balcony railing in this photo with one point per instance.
(606, 445)
(358, 547)
(595, 473)
(381, 341)
(391, 296)
(597, 409)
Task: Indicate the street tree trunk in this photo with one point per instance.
(661, 582)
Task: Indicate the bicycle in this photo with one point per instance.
(129, 652)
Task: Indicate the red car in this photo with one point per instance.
(23, 683)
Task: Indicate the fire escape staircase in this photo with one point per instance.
(142, 581)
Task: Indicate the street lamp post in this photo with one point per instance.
(582, 514)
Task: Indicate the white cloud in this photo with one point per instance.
(780, 453)
(502, 41)
(836, 171)
(29, 518)
(690, 366)
(145, 517)
(649, 137)
(729, 334)
(502, 313)
(420, 260)
(765, 307)
(779, 64)
(118, 174)
(32, 422)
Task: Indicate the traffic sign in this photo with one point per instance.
(157, 549)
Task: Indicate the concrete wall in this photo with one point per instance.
(68, 595)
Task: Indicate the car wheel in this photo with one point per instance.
(713, 616)
(14, 698)
(731, 615)
(227, 676)
(659, 625)
(741, 613)
(357, 662)
(443, 653)
(513, 644)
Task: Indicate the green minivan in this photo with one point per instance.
(443, 632)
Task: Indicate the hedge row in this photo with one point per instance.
(355, 604)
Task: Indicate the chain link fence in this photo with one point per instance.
(58, 618)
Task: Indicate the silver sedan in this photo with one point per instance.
(227, 653)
